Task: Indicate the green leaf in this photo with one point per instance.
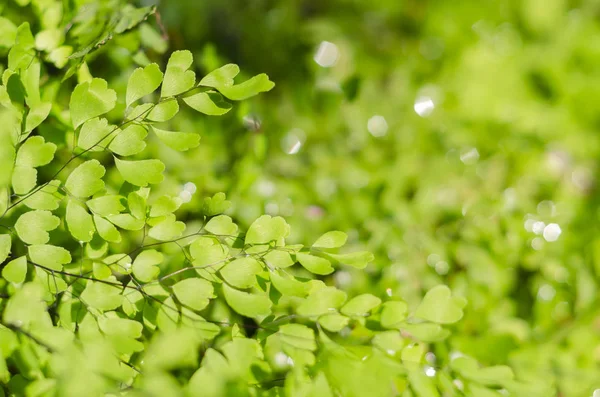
(298, 336)
(24, 179)
(145, 265)
(96, 248)
(142, 172)
(440, 307)
(241, 273)
(390, 342)
(60, 56)
(180, 141)
(411, 353)
(209, 103)
(171, 350)
(91, 99)
(194, 292)
(140, 112)
(333, 322)
(86, 179)
(167, 229)
(266, 229)
(127, 221)
(79, 222)
(496, 376)
(358, 260)
(248, 88)
(26, 308)
(101, 270)
(22, 52)
(5, 244)
(393, 314)
(48, 39)
(216, 204)
(143, 82)
(106, 205)
(132, 300)
(107, 230)
(426, 332)
(323, 301)
(9, 32)
(207, 254)
(333, 239)
(35, 152)
(46, 198)
(137, 205)
(33, 226)
(129, 141)
(164, 111)
(221, 77)
(49, 256)
(178, 78)
(361, 305)
(168, 315)
(37, 114)
(165, 205)
(103, 296)
(221, 225)
(288, 285)
(95, 134)
(15, 271)
(120, 327)
(120, 263)
(278, 258)
(422, 385)
(314, 264)
(246, 304)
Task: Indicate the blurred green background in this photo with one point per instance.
(457, 140)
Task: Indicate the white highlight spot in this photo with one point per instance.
(459, 385)
(424, 106)
(327, 54)
(432, 259)
(442, 268)
(538, 227)
(430, 371)
(469, 156)
(266, 188)
(552, 232)
(185, 196)
(342, 278)
(546, 292)
(377, 126)
(272, 208)
(546, 208)
(281, 359)
(293, 141)
(537, 243)
(190, 187)
(529, 224)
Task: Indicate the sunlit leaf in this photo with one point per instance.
(143, 82)
(91, 99)
(247, 304)
(178, 78)
(142, 172)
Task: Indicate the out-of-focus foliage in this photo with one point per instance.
(455, 140)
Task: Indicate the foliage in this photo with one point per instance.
(119, 278)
